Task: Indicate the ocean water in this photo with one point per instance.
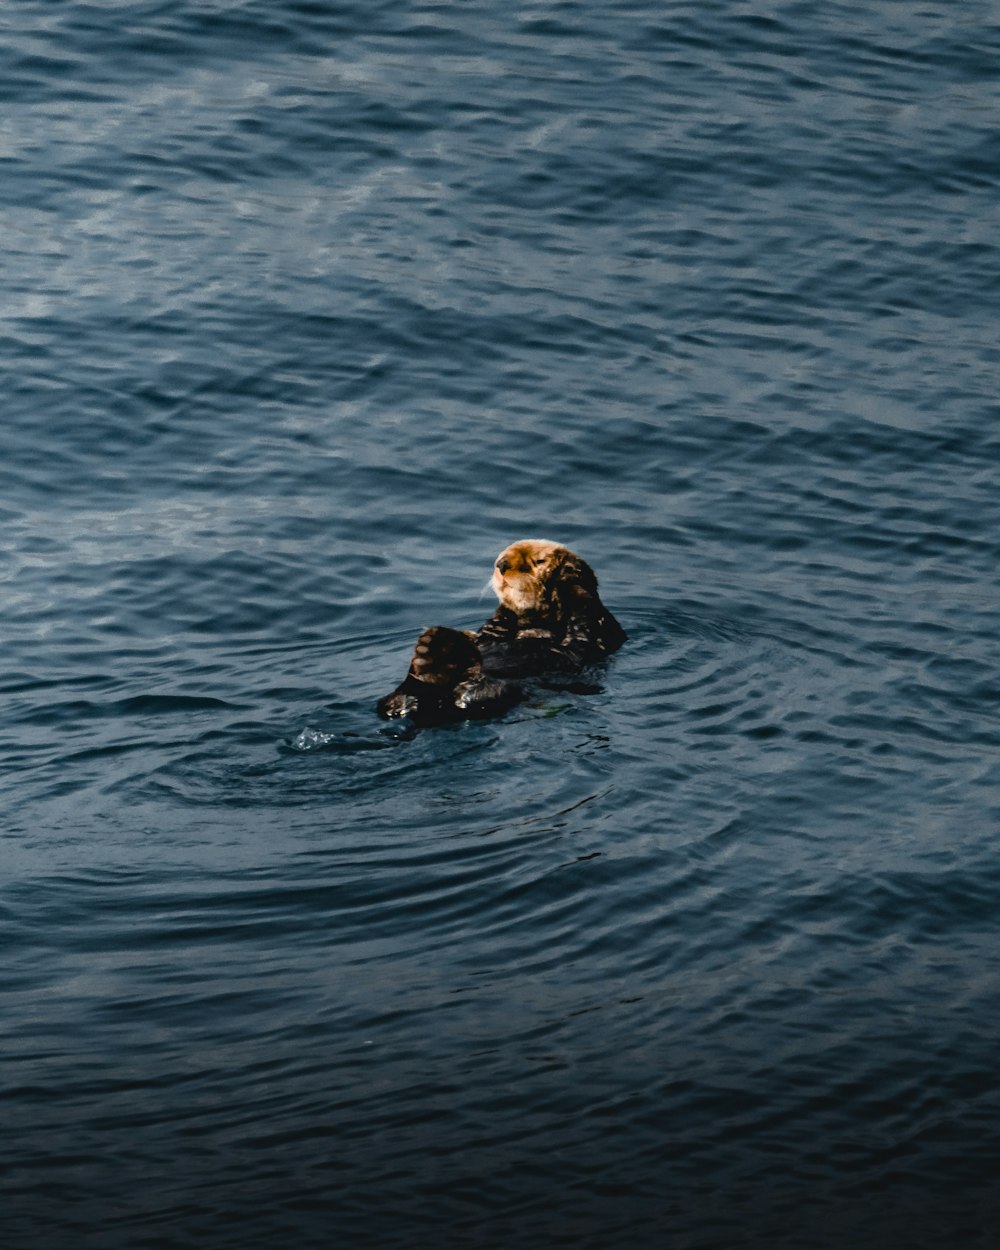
(311, 308)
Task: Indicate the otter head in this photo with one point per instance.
(533, 576)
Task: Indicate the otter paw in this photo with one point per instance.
(444, 657)
(419, 702)
(400, 703)
(485, 696)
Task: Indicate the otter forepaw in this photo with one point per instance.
(486, 696)
(401, 702)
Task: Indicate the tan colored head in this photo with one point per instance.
(535, 576)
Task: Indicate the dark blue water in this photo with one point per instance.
(308, 310)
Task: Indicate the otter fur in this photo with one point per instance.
(550, 621)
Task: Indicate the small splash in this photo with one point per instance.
(348, 743)
(311, 740)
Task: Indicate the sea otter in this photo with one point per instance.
(550, 622)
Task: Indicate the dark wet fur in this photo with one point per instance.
(458, 676)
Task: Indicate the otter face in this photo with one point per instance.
(529, 575)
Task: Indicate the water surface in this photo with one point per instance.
(309, 310)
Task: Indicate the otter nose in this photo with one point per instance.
(502, 566)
